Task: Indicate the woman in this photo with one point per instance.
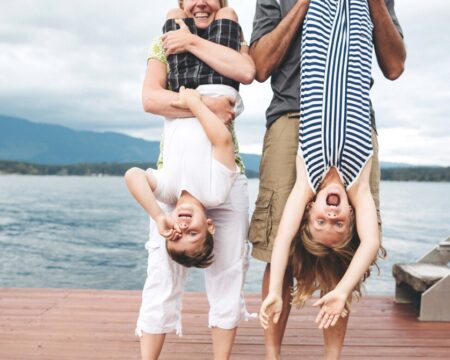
(161, 304)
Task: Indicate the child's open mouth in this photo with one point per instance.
(184, 215)
(333, 200)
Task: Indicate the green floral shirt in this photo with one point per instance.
(156, 52)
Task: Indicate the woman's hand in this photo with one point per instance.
(270, 308)
(222, 106)
(332, 307)
(177, 41)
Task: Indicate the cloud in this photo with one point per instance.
(81, 64)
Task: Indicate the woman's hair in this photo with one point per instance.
(318, 267)
(223, 3)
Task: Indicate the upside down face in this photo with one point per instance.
(330, 216)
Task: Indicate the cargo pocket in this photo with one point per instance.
(261, 223)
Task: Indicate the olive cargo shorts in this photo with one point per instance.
(277, 177)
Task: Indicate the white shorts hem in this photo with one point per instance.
(140, 330)
(229, 325)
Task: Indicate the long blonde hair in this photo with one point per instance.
(318, 267)
(223, 3)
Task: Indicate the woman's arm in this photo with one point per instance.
(293, 211)
(230, 63)
(156, 99)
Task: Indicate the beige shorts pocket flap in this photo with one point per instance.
(260, 225)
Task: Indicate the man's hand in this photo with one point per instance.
(332, 307)
(270, 308)
(166, 228)
(222, 106)
(177, 41)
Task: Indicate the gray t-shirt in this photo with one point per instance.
(285, 80)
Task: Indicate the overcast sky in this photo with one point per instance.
(81, 63)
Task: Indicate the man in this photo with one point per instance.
(275, 48)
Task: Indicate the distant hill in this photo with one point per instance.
(23, 140)
(36, 143)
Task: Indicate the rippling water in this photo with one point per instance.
(87, 232)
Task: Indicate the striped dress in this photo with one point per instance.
(335, 76)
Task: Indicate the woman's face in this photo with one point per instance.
(330, 216)
(202, 11)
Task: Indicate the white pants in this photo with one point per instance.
(224, 280)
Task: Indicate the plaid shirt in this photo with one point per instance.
(156, 52)
(187, 70)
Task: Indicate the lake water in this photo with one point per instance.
(87, 232)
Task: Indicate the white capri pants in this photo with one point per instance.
(160, 311)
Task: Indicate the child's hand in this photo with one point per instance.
(167, 228)
(271, 307)
(186, 97)
(332, 307)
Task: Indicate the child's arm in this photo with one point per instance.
(156, 99)
(141, 185)
(226, 61)
(293, 211)
(332, 304)
(215, 129)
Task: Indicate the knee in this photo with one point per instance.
(176, 13)
(226, 13)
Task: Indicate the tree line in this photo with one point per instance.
(419, 173)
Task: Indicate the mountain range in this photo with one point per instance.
(39, 143)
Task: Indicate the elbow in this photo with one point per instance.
(394, 73)
(248, 77)
(393, 69)
(262, 75)
(150, 105)
(131, 174)
(377, 244)
(147, 107)
(260, 61)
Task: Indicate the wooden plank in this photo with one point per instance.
(98, 324)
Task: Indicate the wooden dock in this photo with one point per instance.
(96, 324)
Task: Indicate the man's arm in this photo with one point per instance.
(389, 46)
(268, 51)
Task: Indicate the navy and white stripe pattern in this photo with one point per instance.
(336, 57)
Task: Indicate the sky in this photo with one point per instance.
(81, 64)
